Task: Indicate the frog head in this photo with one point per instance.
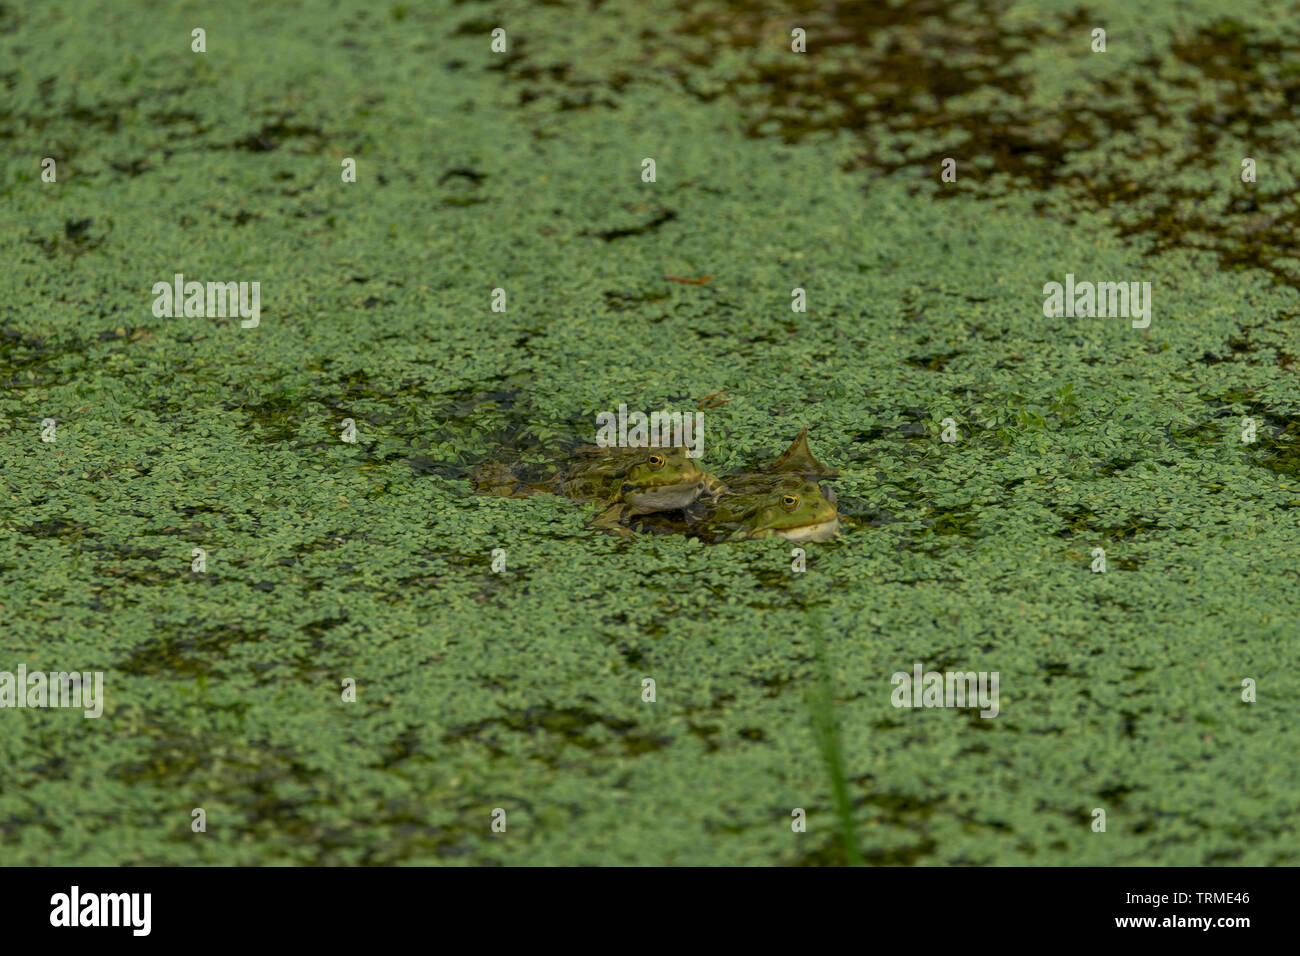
(663, 479)
(797, 511)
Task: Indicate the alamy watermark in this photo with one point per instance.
(1099, 300)
(626, 429)
(216, 300)
(55, 689)
(103, 909)
(923, 688)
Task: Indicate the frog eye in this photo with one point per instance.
(656, 462)
(789, 502)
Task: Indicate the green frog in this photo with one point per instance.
(627, 481)
(798, 459)
(792, 507)
(782, 498)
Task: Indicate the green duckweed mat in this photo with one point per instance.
(521, 690)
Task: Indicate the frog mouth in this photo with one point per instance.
(822, 531)
(665, 498)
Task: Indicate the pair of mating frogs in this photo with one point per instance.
(666, 491)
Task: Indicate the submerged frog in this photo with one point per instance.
(627, 481)
(780, 499)
(793, 508)
(636, 481)
(797, 460)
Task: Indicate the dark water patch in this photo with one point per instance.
(868, 435)
(23, 358)
(664, 215)
(1107, 599)
(271, 136)
(568, 725)
(935, 362)
(957, 520)
(1232, 856)
(178, 118)
(1115, 793)
(1129, 721)
(122, 564)
(1257, 228)
(915, 425)
(1232, 397)
(1202, 433)
(902, 94)
(477, 28)
(1055, 669)
(1112, 467)
(627, 301)
(1277, 429)
(706, 733)
(131, 167)
(454, 470)
(62, 529)
(189, 655)
(240, 217)
(864, 512)
(663, 522)
(402, 748)
(278, 417)
(493, 585)
(255, 790)
(76, 240)
(774, 684)
(279, 414)
(495, 422)
(463, 172)
(700, 721)
(330, 542)
(171, 760)
(1082, 520)
(634, 657)
(908, 61)
(1278, 448)
(554, 83)
(104, 116)
(77, 118)
(9, 20)
(772, 580)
